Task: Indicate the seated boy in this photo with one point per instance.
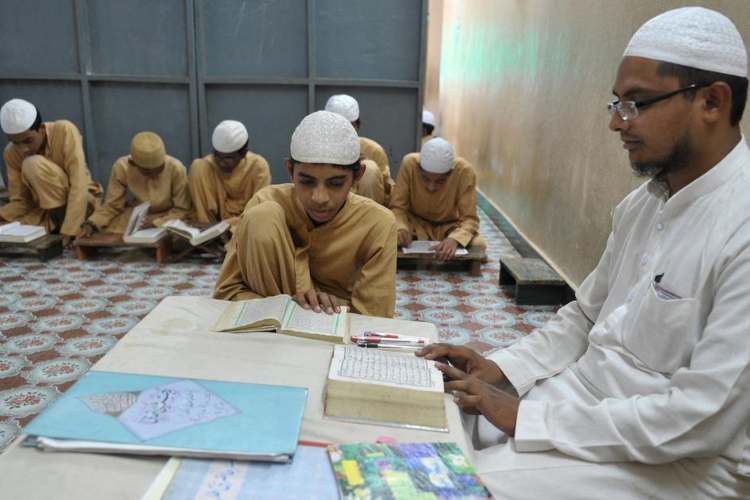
(435, 198)
(375, 182)
(222, 183)
(149, 175)
(313, 239)
(49, 182)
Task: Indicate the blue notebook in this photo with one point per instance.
(148, 415)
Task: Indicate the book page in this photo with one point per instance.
(252, 311)
(425, 247)
(379, 367)
(18, 229)
(136, 218)
(302, 320)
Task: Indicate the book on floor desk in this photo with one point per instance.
(385, 387)
(134, 234)
(108, 412)
(15, 232)
(194, 235)
(282, 314)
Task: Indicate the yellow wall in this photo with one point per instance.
(523, 87)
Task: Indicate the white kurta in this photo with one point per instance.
(651, 363)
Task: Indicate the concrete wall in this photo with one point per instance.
(523, 92)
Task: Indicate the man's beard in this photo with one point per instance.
(658, 169)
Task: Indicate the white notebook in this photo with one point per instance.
(425, 247)
(15, 232)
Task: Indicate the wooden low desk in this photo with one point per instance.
(174, 340)
(86, 247)
(474, 259)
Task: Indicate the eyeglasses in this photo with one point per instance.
(628, 110)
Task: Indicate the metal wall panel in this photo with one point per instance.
(37, 37)
(55, 100)
(270, 113)
(138, 37)
(160, 108)
(250, 38)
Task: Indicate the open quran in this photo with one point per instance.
(384, 387)
(134, 233)
(283, 315)
(194, 235)
(15, 232)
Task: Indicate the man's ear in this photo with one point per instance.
(359, 172)
(289, 168)
(717, 102)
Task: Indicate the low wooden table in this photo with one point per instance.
(46, 247)
(473, 260)
(534, 281)
(86, 247)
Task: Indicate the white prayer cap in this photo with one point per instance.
(17, 116)
(692, 36)
(229, 136)
(436, 156)
(325, 137)
(428, 117)
(344, 105)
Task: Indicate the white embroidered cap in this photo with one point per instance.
(325, 137)
(344, 105)
(692, 36)
(436, 156)
(17, 116)
(428, 118)
(229, 136)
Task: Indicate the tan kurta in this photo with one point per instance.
(168, 194)
(218, 195)
(376, 187)
(56, 177)
(277, 249)
(450, 212)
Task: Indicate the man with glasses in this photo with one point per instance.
(223, 182)
(639, 388)
(147, 174)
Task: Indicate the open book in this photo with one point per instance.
(193, 234)
(385, 387)
(425, 247)
(283, 315)
(15, 232)
(134, 233)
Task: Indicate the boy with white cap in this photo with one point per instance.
(223, 182)
(376, 182)
(314, 239)
(148, 174)
(49, 182)
(639, 388)
(428, 125)
(435, 198)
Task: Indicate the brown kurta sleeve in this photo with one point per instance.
(21, 199)
(79, 177)
(181, 204)
(468, 222)
(261, 173)
(374, 292)
(401, 194)
(117, 191)
(231, 284)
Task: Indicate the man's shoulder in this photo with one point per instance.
(254, 160)
(120, 165)
(410, 160)
(463, 167)
(370, 212)
(61, 128)
(276, 192)
(175, 165)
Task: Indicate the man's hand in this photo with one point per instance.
(318, 301)
(466, 360)
(148, 222)
(476, 397)
(446, 249)
(67, 241)
(404, 238)
(85, 231)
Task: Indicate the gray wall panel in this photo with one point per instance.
(250, 38)
(270, 114)
(37, 36)
(142, 37)
(366, 39)
(387, 115)
(122, 110)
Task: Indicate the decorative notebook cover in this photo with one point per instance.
(167, 412)
(405, 471)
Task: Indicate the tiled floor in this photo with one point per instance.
(58, 318)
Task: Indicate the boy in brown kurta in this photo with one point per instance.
(313, 239)
(376, 182)
(435, 198)
(222, 183)
(149, 175)
(49, 182)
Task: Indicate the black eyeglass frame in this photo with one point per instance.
(617, 105)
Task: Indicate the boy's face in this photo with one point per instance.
(29, 142)
(431, 181)
(321, 188)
